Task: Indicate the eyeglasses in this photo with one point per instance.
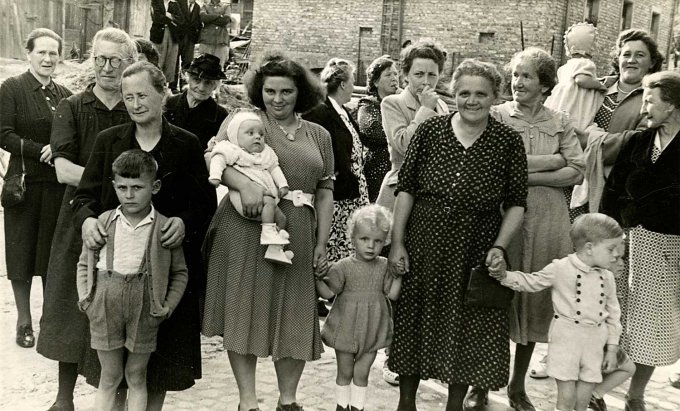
(115, 62)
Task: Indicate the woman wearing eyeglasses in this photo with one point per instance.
(64, 332)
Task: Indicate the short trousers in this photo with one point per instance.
(575, 351)
(120, 314)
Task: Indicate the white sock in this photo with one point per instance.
(342, 392)
(358, 397)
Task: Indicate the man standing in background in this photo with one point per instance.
(164, 34)
(188, 31)
(216, 18)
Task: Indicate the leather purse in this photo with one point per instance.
(14, 188)
(485, 291)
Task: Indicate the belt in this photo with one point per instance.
(579, 322)
(300, 198)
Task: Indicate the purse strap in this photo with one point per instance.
(23, 166)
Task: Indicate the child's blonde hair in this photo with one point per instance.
(593, 228)
(375, 215)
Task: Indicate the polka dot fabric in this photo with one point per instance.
(454, 221)
(652, 316)
(604, 114)
(259, 307)
(377, 157)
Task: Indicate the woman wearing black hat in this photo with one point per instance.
(194, 109)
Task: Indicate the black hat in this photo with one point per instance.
(206, 66)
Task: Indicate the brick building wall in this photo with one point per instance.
(315, 30)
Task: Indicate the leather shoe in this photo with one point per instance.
(288, 407)
(597, 404)
(476, 400)
(321, 308)
(25, 337)
(520, 402)
(674, 379)
(635, 404)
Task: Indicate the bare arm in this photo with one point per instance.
(323, 290)
(67, 171)
(395, 290)
(589, 82)
(251, 193)
(545, 162)
(564, 177)
(402, 212)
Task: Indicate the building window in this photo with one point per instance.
(626, 15)
(592, 11)
(486, 37)
(654, 27)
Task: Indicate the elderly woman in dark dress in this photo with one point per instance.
(264, 309)
(186, 197)
(64, 331)
(194, 109)
(459, 172)
(27, 104)
(643, 194)
(383, 81)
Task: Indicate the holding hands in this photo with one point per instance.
(496, 263)
(398, 260)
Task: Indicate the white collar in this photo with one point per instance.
(337, 106)
(146, 220)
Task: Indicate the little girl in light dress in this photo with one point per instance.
(359, 323)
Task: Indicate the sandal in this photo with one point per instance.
(25, 337)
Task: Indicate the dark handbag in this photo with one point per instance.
(485, 291)
(14, 188)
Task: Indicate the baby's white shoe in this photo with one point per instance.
(276, 254)
(271, 236)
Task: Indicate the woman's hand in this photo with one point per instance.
(496, 264)
(428, 98)
(173, 233)
(251, 200)
(93, 233)
(320, 261)
(46, 153)
(398, 260)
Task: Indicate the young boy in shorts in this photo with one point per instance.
(587, 313)
(132, 284)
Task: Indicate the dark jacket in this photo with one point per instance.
(185, 190)
(346, 183)
(203, 120)
(26, 111)
(216, 19)
(188, 20)
(639, 192)
(159, 21)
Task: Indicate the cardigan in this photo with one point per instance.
(26, 113)
(185, 190)
(401, 116)
(204, 120)
(167, 271)
(639, 192)
(324, 114)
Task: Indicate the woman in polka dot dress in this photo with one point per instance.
(643, 193)
(260, 308)
(459, 172)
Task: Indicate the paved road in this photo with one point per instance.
(29, 382)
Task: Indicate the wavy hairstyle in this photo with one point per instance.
(638, 35)
(276, 65)
(668, 83)
(374, 71)
(423, 49)
(543, 63)
(474, 67)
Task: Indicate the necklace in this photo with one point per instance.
(290, 136)
(624, 93)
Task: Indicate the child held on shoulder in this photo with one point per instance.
(578, 92)
(132, 284)
(241, 145)
(585, 330)
(359, 323)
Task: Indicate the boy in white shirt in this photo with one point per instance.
(587, 313)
